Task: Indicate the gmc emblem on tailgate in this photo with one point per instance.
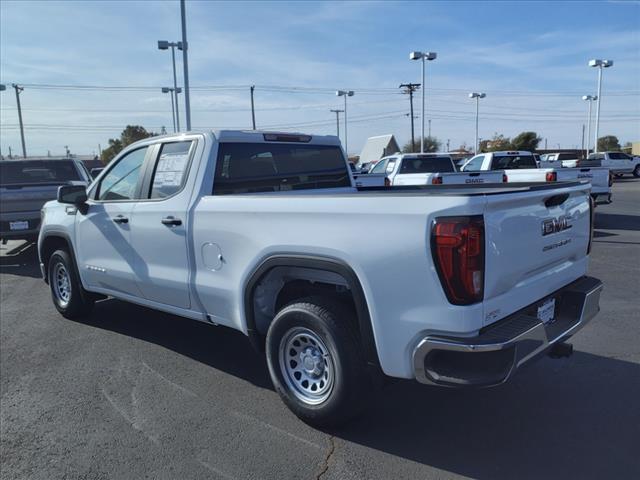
(555, 225)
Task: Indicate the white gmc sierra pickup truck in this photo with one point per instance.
(521, 166)
(428, 168)
(264, 233)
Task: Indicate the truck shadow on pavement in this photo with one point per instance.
(22, 261)
(616, 221)
(219, 347)
(567, 418)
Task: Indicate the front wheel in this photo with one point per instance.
(636, 171)
(69, 298)
(315, 362)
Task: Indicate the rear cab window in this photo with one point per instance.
(513, 162)
(426, 164)
(38, 172)
(274, 167)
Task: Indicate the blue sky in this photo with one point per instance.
(529, 57)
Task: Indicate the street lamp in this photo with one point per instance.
(165, 45)
(345, 94)
(477, 96)
(423, 56)
(173, 108)
(600, 64)
(590, 99)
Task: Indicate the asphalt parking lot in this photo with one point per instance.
(132, 393)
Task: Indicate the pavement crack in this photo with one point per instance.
(327, 458)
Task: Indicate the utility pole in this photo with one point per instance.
(18, 90)
(545, 143)
(582, 144)
(448, 145)
(429, 128)
(100, 150)
(10, 155)
(253, 112)
(337, 112)
(185, 64)
(409, 89)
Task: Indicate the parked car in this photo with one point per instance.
(26, 185)
(560, 160)
(520, 166)
(264, 232)
(618, 162)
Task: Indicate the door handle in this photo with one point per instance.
(121, 219)
(171, 221)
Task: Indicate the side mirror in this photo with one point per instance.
(72, 194)
(96, 171)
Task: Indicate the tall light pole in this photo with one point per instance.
(477, 96)
(185, 64)
(19, 89)
(337, 112)
(423, 56)
(165, 45)
(345, 94)
(173, 107)
(590, 99)
(600, 64)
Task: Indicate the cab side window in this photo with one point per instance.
(380, 166)
(475, 164)
(170, 171)
(121, 182)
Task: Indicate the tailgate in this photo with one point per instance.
(598, 176)
(467, 178)
(536, 243)
(413, 179)
(26, 198)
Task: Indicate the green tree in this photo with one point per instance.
(527, 141)
(431, 144)
(608, 143)
(497, 144)
(131, 134)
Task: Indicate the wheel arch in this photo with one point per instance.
(51, 242)
(319, 263)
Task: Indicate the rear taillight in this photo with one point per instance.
(457, 245)
(551, 176)
(505, 179)
(577, 163)
(436, 181)
(387, 182)
(592, 212)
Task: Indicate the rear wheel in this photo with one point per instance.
(315, 362)
(69, 298)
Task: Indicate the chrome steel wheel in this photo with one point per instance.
(61, 284)
(306, 365)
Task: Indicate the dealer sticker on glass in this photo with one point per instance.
(547, 311)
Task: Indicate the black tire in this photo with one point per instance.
(619, 175)
(329, 321)
(636, 171)
(77, 302)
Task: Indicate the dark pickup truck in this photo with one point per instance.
(26, 185)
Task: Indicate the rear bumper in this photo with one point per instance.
(32, 217)
(494, 355)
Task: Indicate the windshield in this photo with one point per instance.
(273, 167)
(513, 162)
(433, 164)
(21, 172)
